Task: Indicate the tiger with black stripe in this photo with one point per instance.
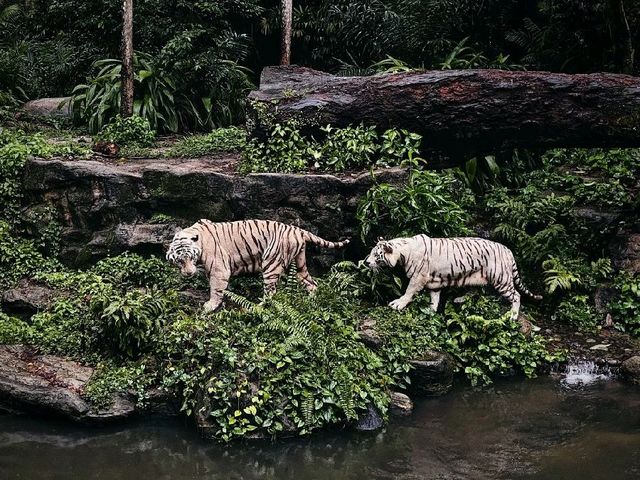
(230, 248)
(436, 263)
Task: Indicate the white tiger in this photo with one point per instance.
(230, 248)
(435, 263)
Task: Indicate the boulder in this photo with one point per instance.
(370, 420)
(368, 334)
(27, 298)
(630, 370)
(432, 374)
(52, 385)
(626, 252)
(56, 106)
(401, 404)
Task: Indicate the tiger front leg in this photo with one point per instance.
(218, 283)
(415, 285)
(270, 277)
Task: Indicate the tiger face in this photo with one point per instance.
(381, 256)
(184, 251)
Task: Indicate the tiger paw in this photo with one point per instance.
(398, 304)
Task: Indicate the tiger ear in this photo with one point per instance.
(387, 248)
(380, 239)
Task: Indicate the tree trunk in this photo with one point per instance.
(126, 74)
(286, 12)
(629, 53)
(460, 113)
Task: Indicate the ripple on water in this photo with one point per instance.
(580, 373)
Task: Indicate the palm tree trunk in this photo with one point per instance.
(286, 12)
(126, 74)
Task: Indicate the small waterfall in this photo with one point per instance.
(585, 372)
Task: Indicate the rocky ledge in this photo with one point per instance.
(52, 385)
(107, 206)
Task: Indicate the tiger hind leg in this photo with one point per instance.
(509, 292)
(303, 275)
(435, 299)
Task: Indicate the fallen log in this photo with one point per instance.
(459, 113)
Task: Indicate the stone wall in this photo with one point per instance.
(106, 207)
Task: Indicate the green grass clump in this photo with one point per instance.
(231, 139)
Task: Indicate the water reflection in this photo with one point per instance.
(516, 430)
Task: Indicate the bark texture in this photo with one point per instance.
(286, 13)
(126, 74)
(459, 113)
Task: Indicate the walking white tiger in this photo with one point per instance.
(435, 263)
(246, 246)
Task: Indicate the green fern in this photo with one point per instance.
(557, 275)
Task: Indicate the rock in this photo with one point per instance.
(630, 370)
(49, 107)
(449, 108)
(52, 385)
(368, 334)
(600, 346)
(608, 321)
(526, 327)
(105, 207)
(110, 149)
(432, 374)
(370, 420)
(625, 252)
(162, 403)
(602, 298)
(26, 298)
(401, 404)
(138, 237)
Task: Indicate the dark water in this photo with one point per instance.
(516, 430)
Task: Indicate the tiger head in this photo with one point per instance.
(185, 250)
(382, 255)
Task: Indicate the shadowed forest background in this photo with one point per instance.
(206, 55)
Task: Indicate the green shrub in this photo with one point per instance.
(15, 147)
(430, 203)
(294, 364)
(285, 151)
(127, 131)
(577, 311)
(231, 139)
(626, 307)
(156, 100)
(13, 330)
(349, 148)
(131, 270)
(480, 337)
(109, 380)
(131, 321)
(95, 319)
(20, 258)
(622, 164)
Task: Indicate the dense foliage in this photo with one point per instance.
(295, 363)
(196, 60)
(287, 150)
